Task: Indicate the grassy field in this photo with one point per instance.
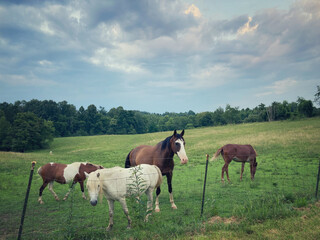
(274, 206)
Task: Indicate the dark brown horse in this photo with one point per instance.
(238, 153)
(160, 155)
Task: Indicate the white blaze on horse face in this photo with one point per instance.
(182, 152)
(93, 187)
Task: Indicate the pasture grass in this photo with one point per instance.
(288, 159)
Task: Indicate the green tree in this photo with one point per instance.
(232, 115)
(5, 133)
(204, 119)
(305, 107)
(30, 132)
(317, 96)
(218, 117)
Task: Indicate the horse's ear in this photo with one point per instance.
(175, 133)
(98, 174)
(87, 175)
(182, 133)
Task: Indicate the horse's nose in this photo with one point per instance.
(93, 202)
(184, 160)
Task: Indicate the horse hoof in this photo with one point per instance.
(41, 202)
(109, 228)
(157, 210)
(174, 207)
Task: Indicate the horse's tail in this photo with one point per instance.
(216, 155)
(39, 170)
(159, 182)
(127, 163)
(254, 151)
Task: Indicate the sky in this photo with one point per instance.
(160, 55)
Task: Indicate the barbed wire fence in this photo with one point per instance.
(62, 219)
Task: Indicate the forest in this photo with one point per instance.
(29, 125)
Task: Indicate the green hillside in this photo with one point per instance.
(288, 160)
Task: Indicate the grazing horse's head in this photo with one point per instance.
(254, 168)
(94, 187)
(89, 167)
(177, 144)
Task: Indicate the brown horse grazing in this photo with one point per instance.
(238, 153)
(64, 173)
(160, 155)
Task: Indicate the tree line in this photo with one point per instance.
(29, 125)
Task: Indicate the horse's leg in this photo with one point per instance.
(82, 190)
(67, 194)
(224, 169)
(169, 180)
(125, 209)
(157, 209)
(111, 208)
(51, 190)
(40, 192)
(242, 169)
(149, 203)
(227, 172)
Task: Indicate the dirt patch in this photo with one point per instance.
(317, 204)
(218, 219)
(302, 209)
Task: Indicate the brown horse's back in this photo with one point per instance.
(52, 172)
(143, 154)
(238, 152)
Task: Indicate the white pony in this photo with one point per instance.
(117, 183)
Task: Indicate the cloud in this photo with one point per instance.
(114, 62)
(165, 44)
(246, 28)
(44, 27)
(279, 87)
(23, 80)
(194, 10)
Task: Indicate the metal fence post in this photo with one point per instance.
(317, 187)
(204, 184)
(26, 200)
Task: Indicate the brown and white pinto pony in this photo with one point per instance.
(238, 153)
(160, 155)
(64, 173)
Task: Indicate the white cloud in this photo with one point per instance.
(107, 58)
(194, 10)
(24, 80)
(211, 77)
(279, 87)
(44, 27)
(246, 28)
(45, 63)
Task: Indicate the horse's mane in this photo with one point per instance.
(165, 143)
